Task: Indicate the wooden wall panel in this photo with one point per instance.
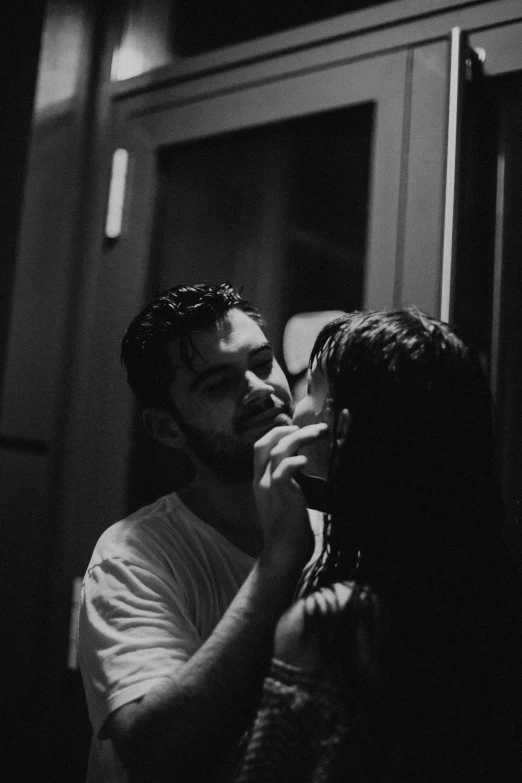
(45, 263)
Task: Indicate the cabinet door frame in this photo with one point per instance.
(179, 115)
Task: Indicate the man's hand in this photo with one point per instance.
(195, 718)
(280, 501)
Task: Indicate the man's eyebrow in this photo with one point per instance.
(200, 377)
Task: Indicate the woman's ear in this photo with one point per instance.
(343, 426)
(163, 428)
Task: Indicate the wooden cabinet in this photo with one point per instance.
(184, 138)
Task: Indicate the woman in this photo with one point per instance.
(400, 662)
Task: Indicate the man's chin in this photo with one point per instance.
(231, 465)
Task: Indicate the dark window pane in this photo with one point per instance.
(488, 281)
(280, 211)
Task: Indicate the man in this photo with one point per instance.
(180, 599)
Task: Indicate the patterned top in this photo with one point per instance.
(377, 709)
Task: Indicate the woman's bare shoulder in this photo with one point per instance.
(342, 619)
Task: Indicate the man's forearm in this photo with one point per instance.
(199, 715)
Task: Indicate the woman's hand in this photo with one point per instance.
(280, 501)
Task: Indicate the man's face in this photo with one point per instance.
(313, 408)
(232, 393)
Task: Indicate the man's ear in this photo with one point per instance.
(342, 426)
(162, 427)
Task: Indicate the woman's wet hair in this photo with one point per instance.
(413, 483)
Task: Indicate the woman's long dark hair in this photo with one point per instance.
(415, 498)
(416, 515)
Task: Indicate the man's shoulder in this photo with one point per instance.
(148, 529)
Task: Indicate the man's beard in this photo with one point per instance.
(228, 456)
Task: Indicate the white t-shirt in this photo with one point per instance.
(157, 585)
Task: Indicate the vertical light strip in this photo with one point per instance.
(452, 162)
(115, 205)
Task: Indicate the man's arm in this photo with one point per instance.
(194, 720)
(191, 722)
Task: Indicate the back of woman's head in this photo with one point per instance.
(416, 515)
(413, 479)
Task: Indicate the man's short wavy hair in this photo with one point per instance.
(174, 315)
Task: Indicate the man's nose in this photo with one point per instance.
(257, 388)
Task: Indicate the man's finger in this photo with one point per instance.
(264, 446)
(289, 444)
(289, 467)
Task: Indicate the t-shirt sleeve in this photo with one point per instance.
(134, 630)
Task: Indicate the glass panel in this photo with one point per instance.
(279, 211)
(489, 274)
(145, 41)
(508, 380)
(65, 31)
(476, 235)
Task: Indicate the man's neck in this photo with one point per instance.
(228, 507)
